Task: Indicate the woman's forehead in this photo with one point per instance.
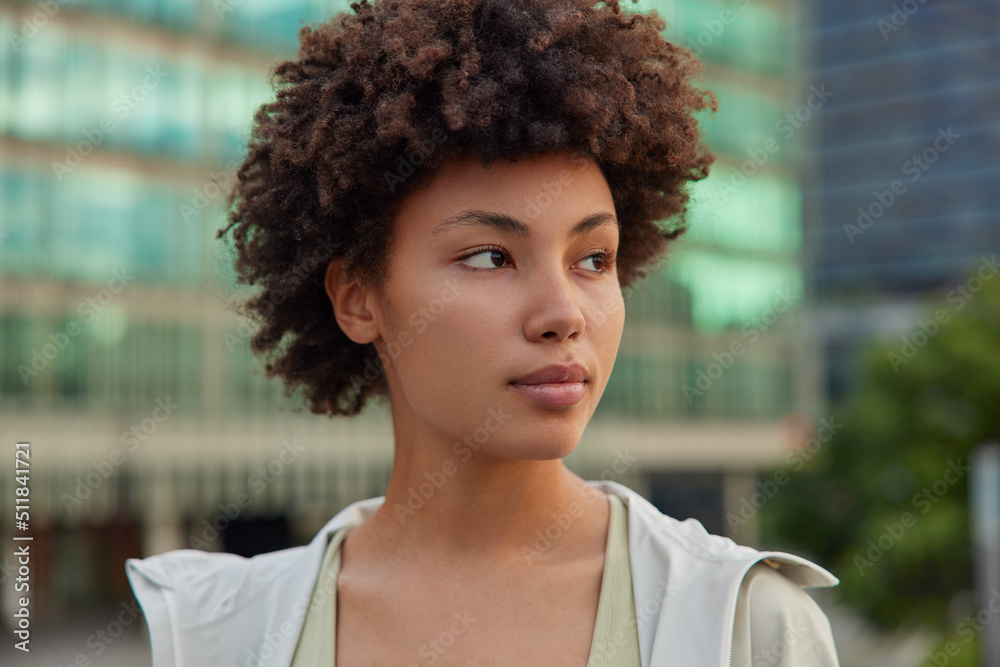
(543, 186)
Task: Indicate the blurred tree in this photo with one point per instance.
(884, 503)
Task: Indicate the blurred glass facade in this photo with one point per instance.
(742, 256)
(907, 163)
(121, 126)
(120, 119)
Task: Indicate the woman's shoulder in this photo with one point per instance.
(215, 568)
(778, 623)
(224, 576)
(213, 608)
(688, 583)
(688, 545)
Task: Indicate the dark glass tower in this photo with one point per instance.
(903, 202)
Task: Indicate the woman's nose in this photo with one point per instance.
(554, 308)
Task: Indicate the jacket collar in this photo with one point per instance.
(227, 610)
(677, 567)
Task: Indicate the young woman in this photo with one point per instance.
(492, 173)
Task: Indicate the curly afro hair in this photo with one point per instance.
(378, 99)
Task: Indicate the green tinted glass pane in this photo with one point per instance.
(69, 367)
(7, 63)
(181, 94)
(746, 121)
(23, 246)
(37, 97)
(760, 213)
(18, 342)
(658, 298)
(92, 226)
(732, 291)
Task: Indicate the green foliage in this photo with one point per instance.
(955, 650)
(884, 503)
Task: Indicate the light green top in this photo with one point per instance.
(616, 637)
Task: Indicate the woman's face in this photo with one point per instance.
(497, 272)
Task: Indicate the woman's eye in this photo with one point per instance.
(601, 262)
(487, 259)
(495, 258)
(605, 260)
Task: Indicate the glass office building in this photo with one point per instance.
(904, 192)
(121, 126)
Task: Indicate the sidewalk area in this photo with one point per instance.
(107, 637)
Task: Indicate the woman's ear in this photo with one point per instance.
(350, 302)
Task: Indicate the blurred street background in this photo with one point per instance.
(815, 369)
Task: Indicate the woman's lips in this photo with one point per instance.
(553, 393)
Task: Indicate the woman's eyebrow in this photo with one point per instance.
(511, 225)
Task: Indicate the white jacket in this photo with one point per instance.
(222, 610)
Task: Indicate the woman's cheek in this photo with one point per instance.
(418, 323)
(608, 313)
